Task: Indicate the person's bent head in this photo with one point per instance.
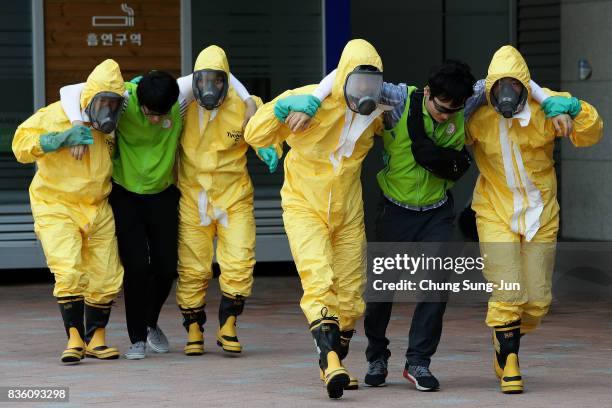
(157, 92)
(448, 87)
(103, 96)
(103, 111)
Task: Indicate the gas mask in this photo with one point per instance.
(210, 87)
(362, 89)
(506, 99)
(103, 111)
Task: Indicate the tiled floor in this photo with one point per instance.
(567, 363)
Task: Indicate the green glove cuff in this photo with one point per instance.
(575, 108)
(269, 156)
(49, 142)
(307, 104)
(556, 105)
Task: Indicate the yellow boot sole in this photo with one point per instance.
(195, 348)
(102, 353)
(352, 385)
(336, 376)
(97, 348)
(72, 356)
(336, 382)
(227, 338)
(75, 349)
(229, 346)
(195, 341)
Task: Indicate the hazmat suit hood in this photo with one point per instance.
(356, 52)
(209, 67)
(507, 62)
(106, 77)
(212, 57)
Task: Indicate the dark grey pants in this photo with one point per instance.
(147, 236)
(397, 224)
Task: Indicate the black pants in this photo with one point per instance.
(147, 234)
(397, 224)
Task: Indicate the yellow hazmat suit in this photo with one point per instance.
(515, 198)
(321, 196)
(72, 217)
(216, 196)
(74, 221)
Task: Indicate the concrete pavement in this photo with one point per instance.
(567, 363)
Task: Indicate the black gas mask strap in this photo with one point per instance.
(442, 162)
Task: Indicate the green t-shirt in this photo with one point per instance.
(144, 155)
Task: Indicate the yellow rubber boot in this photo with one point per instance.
(75, 349)
(511, 381)
(195, 341)
(353, 381)
(193, 322)
(230, 307)
(227, 338)
(336, 376)
(96, 319)
(72, 309)
(327, 338)
(506, 343)
(97, 348)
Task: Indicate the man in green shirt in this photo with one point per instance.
(144, 197)
(424, 155)
(416, 204)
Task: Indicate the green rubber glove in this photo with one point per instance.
(76, 135)
(307, 104)
(556, 105)
(136, 80)
(269, 156)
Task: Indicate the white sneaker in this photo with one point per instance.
(136, 351)
(157, 340)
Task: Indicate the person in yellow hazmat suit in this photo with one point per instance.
(216, 201)
(322, 197)
(72, 217)
(515, 199)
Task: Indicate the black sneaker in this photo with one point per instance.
(377, 372)
(421, 377)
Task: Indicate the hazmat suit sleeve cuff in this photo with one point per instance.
(324, 88)
(240, 89)
(537, 92)
(47, 143)
(37, 150)
(70, 99)
(185, 89)
(588, 126)
(279, 149)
